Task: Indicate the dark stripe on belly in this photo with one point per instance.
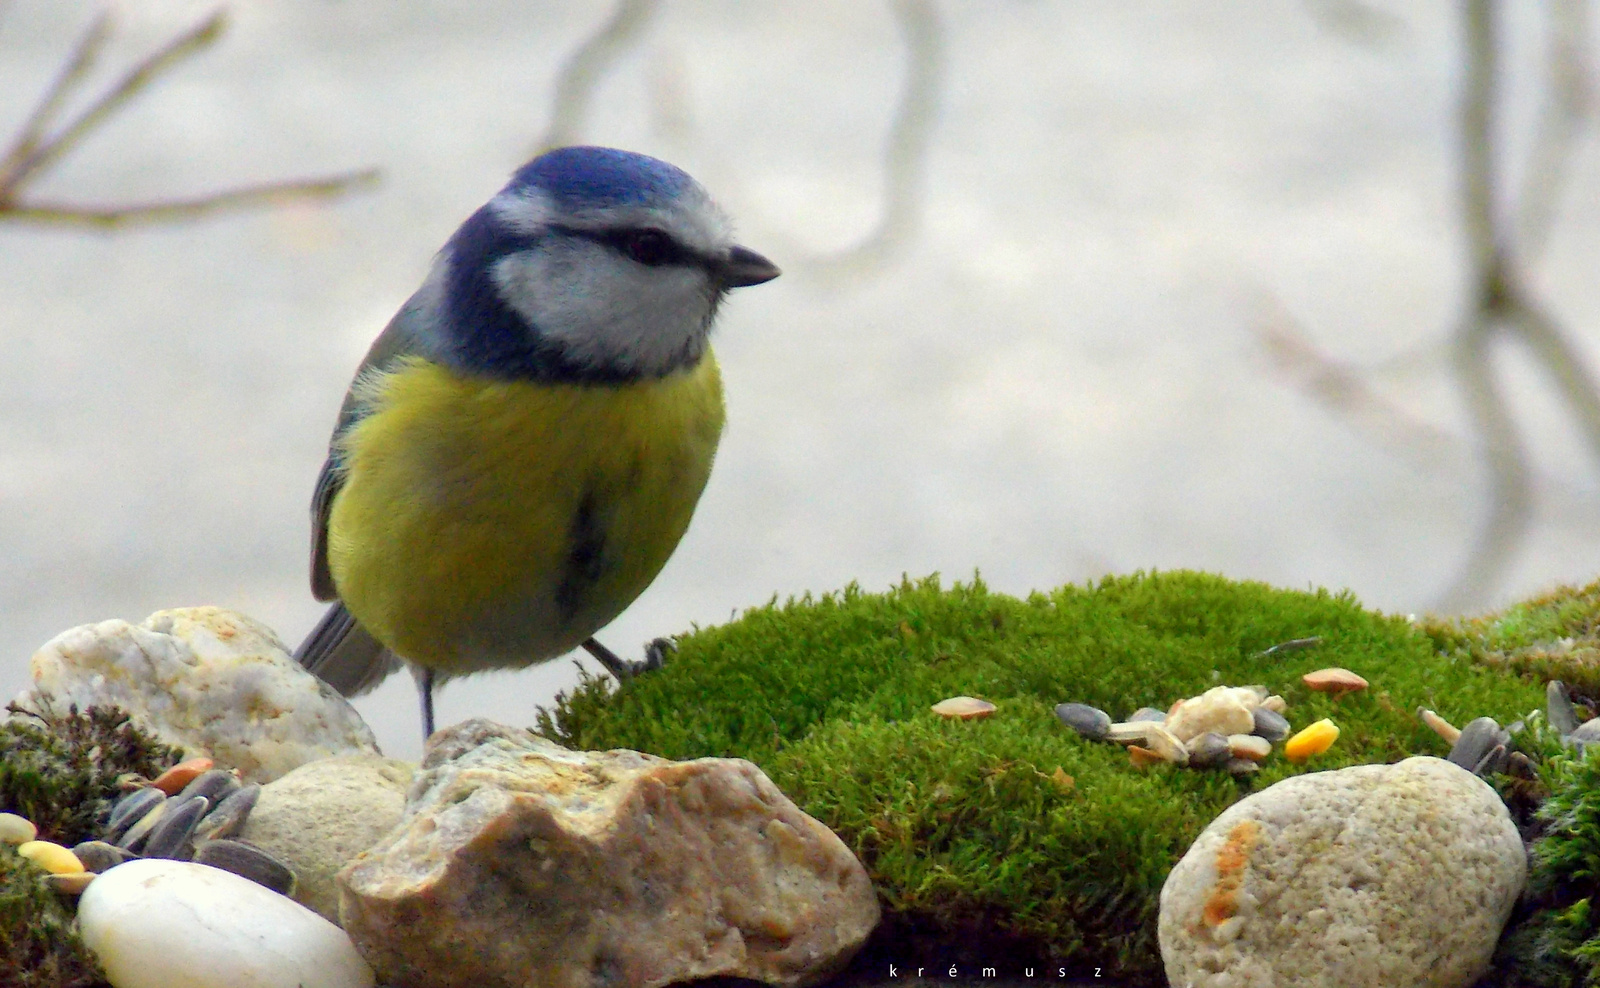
(586, 541)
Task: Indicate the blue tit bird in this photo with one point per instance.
(524, 444)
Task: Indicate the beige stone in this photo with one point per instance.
(205, 679)
(319, 817)
(1374, 875)
(1222, 710)
(522, 863)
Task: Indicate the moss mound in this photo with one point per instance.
(1553, 636)
(61, 772)
(1012, 834)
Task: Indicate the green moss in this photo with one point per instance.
(1012, 828)
(61, 770)
(39, 948)
(1553, 636)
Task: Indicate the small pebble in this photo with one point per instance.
(1313, 740)
(1242, 766)
(1249, 746)
(1586, 733)
(1558, 707)
(70, 883)
(1270, 725)
(229, 816)
(98, 856)
(140, 831)
(1143, 757)
(1440, 726)
(1334, 680)
(1292, 645)
(1276, 704)
(50, 856)
(1477, 739)
(1223, 709)
(1209, 750)
(167, 838)
(130, 809)
(963, 708)
(247, 861)
(1148, 713)
(16, 829)
(1091, 722)
(175, 778)
(213, 785)
(1491, 764)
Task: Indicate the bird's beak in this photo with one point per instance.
(745, 267)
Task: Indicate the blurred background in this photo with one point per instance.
(1301, 291)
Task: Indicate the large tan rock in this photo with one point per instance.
(319, 817)
(1374, 875)
(211, 681)
(520, 863)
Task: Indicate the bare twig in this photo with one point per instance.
(1567, 108)
(170, 210)
(905, 158)
(35, 148)
(584, 68)
(31, 134)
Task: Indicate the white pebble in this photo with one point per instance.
(156, 923)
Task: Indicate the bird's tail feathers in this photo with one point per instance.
(342, 654)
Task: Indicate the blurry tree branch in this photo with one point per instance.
(581, 73)
(37, 147)
(910, 134)
(1500, 303)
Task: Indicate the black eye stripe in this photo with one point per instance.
(647, 246)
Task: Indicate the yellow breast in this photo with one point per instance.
(488, 523)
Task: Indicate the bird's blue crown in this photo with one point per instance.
(590, 177)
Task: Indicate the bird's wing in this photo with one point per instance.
(342, 654)
(406, 334)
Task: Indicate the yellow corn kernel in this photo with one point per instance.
(51, 857)
(1314, 740)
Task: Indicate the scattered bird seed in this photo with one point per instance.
(134, 839)
(1313, 740)
(1334, 680)
(1492, 763)
(70, 883)
(1209, 750)
(214, 785)
(1147, 713)
(177, 825)
(16, 829)
(1091, 722)
(1477, 739)
(1249, 746)
(1440, 726)
(229, 816)
(98, 856)
(1165, 744)
(1242, 766)
(1269, 724)
(175, 778)
(1276, 704)
(1292, 645)
(248, 861)
(963, 708)
(1143, 757)
(132, 808)
(50, 856)
(1558, 707)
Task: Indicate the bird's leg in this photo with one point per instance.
(424, 677)
(655, 656)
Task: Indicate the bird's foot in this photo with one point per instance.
(655, 656)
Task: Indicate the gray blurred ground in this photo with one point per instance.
(1060, 375)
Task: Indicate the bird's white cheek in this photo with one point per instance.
(606, 311)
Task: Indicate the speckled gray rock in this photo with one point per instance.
(207, 680)
(1558, 707)
(522, 863)
(319, 817)
(1091, 722)
(1374, 875)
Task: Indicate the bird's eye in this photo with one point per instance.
(652, 248)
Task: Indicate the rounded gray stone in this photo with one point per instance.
(1477, 739)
